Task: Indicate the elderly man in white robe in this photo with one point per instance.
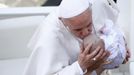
(58, 43)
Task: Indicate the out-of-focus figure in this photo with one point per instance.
(23, 3)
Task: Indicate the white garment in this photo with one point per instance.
(101, 10)
(114, 42)
(105, 14)
(55, 50)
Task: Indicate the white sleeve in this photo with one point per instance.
(50, 58)
(73, 69)
(81, 71)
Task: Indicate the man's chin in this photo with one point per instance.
(83, 37)
(80, 37)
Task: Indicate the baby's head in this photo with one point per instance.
(96, 41)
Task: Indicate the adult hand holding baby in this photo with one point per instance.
(86, 58)
(100, 58)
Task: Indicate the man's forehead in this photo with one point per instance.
(80, 22)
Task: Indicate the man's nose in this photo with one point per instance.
(86, 32)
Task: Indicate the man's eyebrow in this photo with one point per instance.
(89, 24)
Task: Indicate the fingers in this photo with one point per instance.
(103, 56)
(81, 48)
(87, 49)
(107, 55)
(106, 62)
(129, 54)
(101, 52)
(94, 53)
(124, 62)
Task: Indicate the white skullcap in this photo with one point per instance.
(71, 8)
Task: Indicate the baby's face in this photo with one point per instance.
(96, 41)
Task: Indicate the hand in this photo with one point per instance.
(128, 55)
(86, 61)
(100, 62)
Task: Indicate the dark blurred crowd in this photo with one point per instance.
(56, 2)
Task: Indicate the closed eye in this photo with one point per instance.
(78, 29)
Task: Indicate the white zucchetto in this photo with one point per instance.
(71, 8)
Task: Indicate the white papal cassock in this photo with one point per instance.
(55, 50)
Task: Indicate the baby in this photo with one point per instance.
(113, 42)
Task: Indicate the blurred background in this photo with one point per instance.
(29, 3)
(20, 18)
